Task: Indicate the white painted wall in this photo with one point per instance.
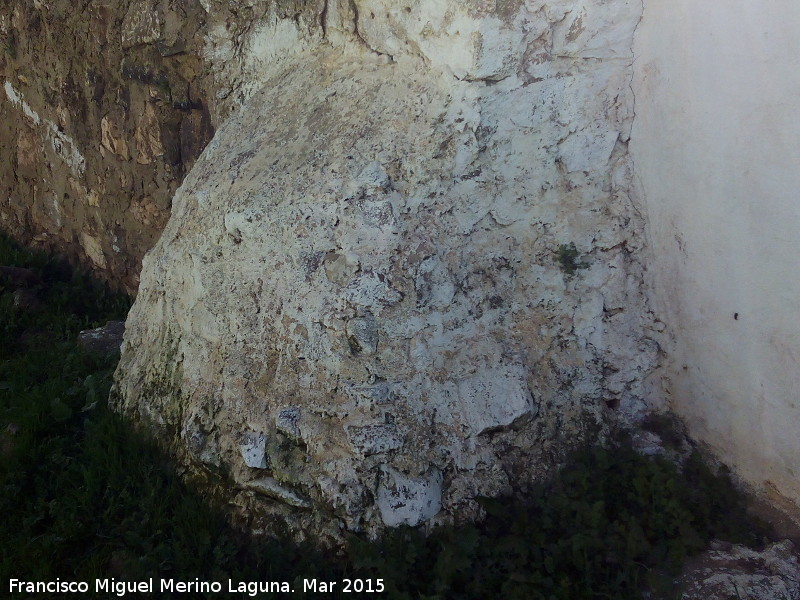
(716, 145)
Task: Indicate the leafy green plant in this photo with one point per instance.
(567, 256)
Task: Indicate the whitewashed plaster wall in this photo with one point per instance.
(716, 146)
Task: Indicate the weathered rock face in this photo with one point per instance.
(732, 571)
(105, 107)
(404, 273)
(102, 111)
(718, 179)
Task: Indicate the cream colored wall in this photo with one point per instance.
(716, 145)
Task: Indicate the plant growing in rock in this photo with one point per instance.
(567, 256)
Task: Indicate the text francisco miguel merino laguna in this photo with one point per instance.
(251, 588)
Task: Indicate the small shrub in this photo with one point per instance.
(567, 256)
(608, 521)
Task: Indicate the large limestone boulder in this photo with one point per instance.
(405, 272)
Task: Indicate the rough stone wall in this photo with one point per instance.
(102, 112)
(105, 106)
(405, 272)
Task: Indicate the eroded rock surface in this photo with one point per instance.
(103, 340)
(104, 108)
(732, 571)
(365, 268)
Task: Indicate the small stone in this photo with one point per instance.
(404, 500)
(375, 439)
(286, 422)
(112, 138)
(93, 247)
(103, 340)
(494, 398)
(378, 393)
(269, 486)
(147, 136)
(340, 268)
(253, 448)
(647, 443)
(142, 25)
(362, 335)
(201, 445)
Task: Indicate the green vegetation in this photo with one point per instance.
(68, 301)
(84, 496)
(567, 256)
(612, 522)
